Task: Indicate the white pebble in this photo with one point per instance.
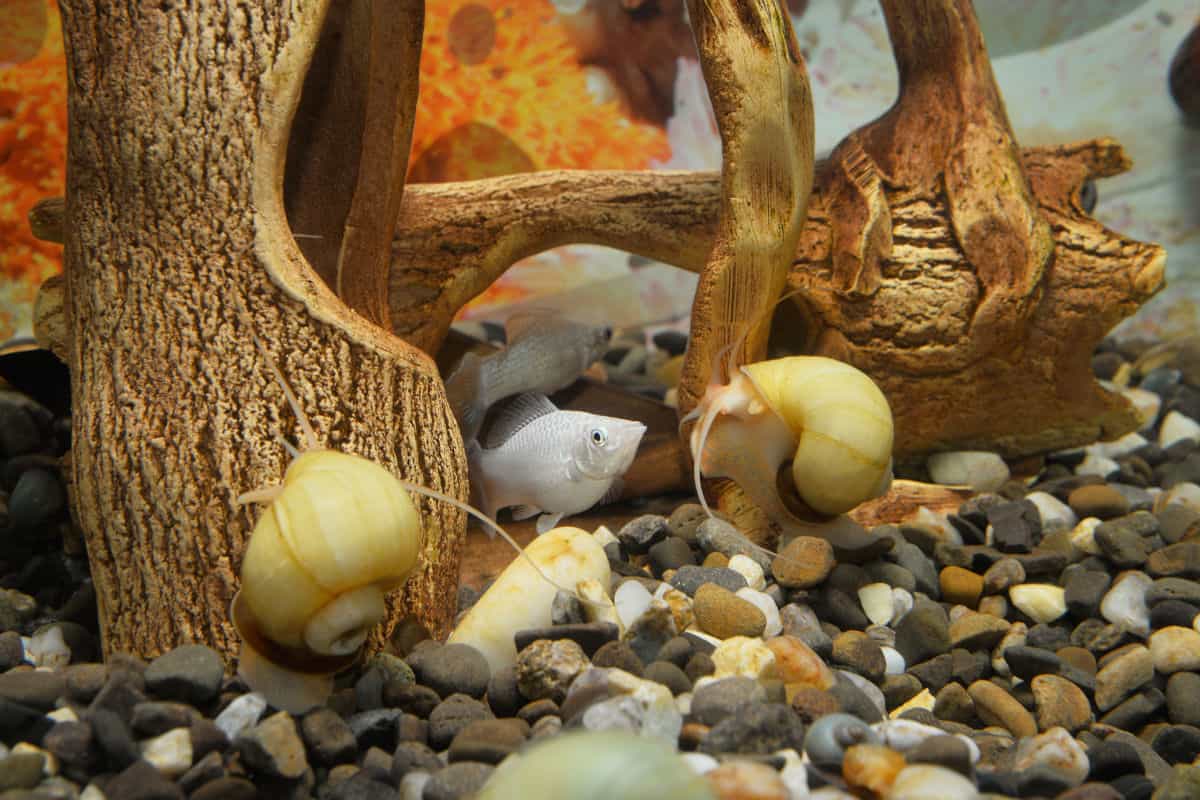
(742, 655)
(92, 792)
(749, 569)
(170, 753)
(1056, 749)
(902, 603)
(1097, 465)
(794, 774)
(923, 781)
(1177, 427)
(893, 661)
(631, 599)
(241, 714)
(412, 785)
(1041, 602)
(1146, 403)
(604, 536)
(1118, 448)
(982, 471)
(1186, 493)
(766, 605)
(1083, 536)
(47, 648)
(64, 714)
(1054, 513)
(877, 603)
(699, 763)
(1125, 603)
(905, 734)
(938, 523)
(1175, 649)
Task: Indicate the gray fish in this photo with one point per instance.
(545, 353)
(550, 462)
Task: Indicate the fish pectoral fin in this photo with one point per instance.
(548, 522)
(525, 512)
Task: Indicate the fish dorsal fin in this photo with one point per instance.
(515, 415)
(524, 322)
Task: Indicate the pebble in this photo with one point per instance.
(191, 673)
(797, 664)
(1182, 690)
(1055, 515)
(631, 599)
(1175, 649)
(746, 780)
(1125, 603)
(1041, 602)
(546, 668)
(923, 633)
(454, 668)
(715, 535)
(328, 738)
(982, 471)
(724, 614)
(457, 781)
(1123, 674)
(1098, 500)
(877, 602)
(961, 586)
(749, 569)
(170, 753)
(997, 707)
(274, 747)
(689, 579)
(241, 714)
(805, 562)
(923, 781)
(1060, 704)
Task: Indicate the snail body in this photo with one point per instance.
(828, 418)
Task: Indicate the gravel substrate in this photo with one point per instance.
(1044, 641)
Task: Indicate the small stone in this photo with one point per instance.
(670, 553)
(761, 728)
(923, 781)
(997, 707)
(457, 781)
(975, 631)
(689, 579)
(1182, 690)
(1060, 703)
(451, 715)
(454, 668)
(1125, 603)
(1177, 743)
(797, 665)
(805, 562)
(716, 700)
(877, 602)
(749, 569)
(21, 770)
(1014, 527)
(488, 741)
(1004, 573)
(685, 520)
(743, 655)
(746, 780)
(1041, 602)
(274, 747)
(764, 603)
(872, 767)
(982, 471)
(169, 753)
(1177, 427)
(640, 534)
(1055, 515)
(859, 652)
(191, 673)
(950, 752)
(1175, 649)
(1123, 675)
(141, 781)
(1183, 784)
(328, 738)
(723, 614)
(652, 629)
(591, 636)
(1173, 589)
(1057, 750)
(961, 586)
(620, 656)
(241, 714)
(32, 688)
(546, 668)
(1176, 560)
(1111, 759)
(923, 633)
(1098, 500)
(716, 535)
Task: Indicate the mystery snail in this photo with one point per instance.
(824, 416)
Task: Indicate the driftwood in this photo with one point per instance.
(174, 217)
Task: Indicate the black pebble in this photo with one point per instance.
(673, 341)
(1109, 760)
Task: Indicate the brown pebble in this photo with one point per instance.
(1078, 657)
(716, 560)
(997, 707)
(692, 735)
(872, 767)
(861, 653)
(804, 563)
(1122, 675)
(1060, 703)
(797, 665)
(961, 586)
(723, 614)
(1098, 500)
(811, 704)
(1004, 573)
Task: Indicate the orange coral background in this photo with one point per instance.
(502, 90)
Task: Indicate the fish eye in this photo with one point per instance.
(599, 437)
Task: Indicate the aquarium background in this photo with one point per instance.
(518, 85)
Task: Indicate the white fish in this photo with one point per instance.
(550, 462)
(545, 353)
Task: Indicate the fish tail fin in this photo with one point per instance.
(465, 390)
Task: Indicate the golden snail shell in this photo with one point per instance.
(341, 533)
(842, 424)
(826, 416)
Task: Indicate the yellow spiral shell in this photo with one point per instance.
(341, 526)
(842, 424)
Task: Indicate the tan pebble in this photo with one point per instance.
(798, 665)
(961, 586)
(928, 782)
(1175, 649)
(1078, 657)
(977, 631)
(1122, 675)
(996, 605)
(681, 608)
(1055, 749)
(1060, 704)
(742, 655)
(1098, 500)
(745, 780)
(1041, 602)
(922, 699)
(811, 704)
(1004, 573)
(857, 650)
(997, 707)
(716, 560)
(723, 614)
(804, 563)
(872, 767)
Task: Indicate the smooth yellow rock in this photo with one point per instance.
(741, 655)
(521, 598)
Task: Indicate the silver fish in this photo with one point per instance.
(550, 462)
(545, 353)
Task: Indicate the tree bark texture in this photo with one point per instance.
(179, 119)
